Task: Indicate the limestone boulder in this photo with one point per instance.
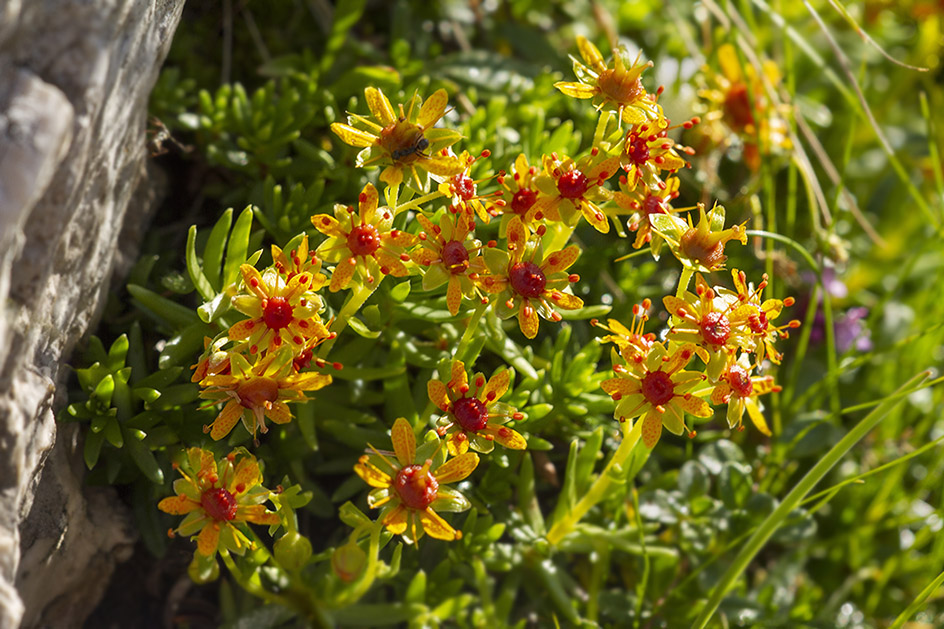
(75, 76)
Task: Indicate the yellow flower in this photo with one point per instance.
(700, 247)
(705, 319)
(363, 241)
(739, 390)
(752, 319)
(641, 203)
(218, 500)
(738, 100)
(569, 189)
(298, 261)
(474, 417)
(411, 491)
(463, 190)
(279, 311)
(402, 143)
(450, 257)
(656, 387)
(618, 88)
(519, 197)
(647, 150)
(629, 341)
(528, 282)
(254, 392)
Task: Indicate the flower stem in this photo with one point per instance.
(354, 302)
(684, 280)
(415, 203)
(470, 329)
(597, 491)
(363, 584)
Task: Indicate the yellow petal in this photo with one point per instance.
(561, 260)
(404, 442)
(178, 505)
(395, 521)
(442, 166)
(516, 235)
(528, 320)
(257, 514)
(433, 109)
(392, 176)
(577, 90)
(693, 405)
(730, 65)
(327, 225)
(279, 413)
(373, 476)
(379, 106)
(459, 380)
(620, 386)
(456, 468)
(590, 53)
(247, 475)
(496, 386)
(343, 273)
(367, 202)
(757, 417)
(241, 330)
(225, 421)
(506, 437)
(436, 527)
(454, 294)
(391, 265)
(595, 217)
(651, 429)
(352, 136)
(209, 539)
(437, 394)
(565, 301)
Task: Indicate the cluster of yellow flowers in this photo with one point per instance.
(264, 362)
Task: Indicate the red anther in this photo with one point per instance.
(337, 366)
(659, 92)
(404, 257)
(573, 278)
(594, 151)
(646, 303)
(486, 153)
(254, 283)
(501, 181)
(691, 434)
(541, 230)
(556, 317)
(491, 244)
(422, 236)
(789, 301)
(517, 416)
(617, 396)
(794, 324)
(385, 270)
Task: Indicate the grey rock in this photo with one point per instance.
(75, 76)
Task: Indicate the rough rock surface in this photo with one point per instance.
(75, 76)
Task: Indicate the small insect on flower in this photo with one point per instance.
(409, 483)
(473, 416)
(405, 143)
(218, 500)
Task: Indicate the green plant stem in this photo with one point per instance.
(597, 491)
(918, 602)
(359, 588)
(684, 280)
(354, 302)
(796, 495)
(415, 203)
(470, 329)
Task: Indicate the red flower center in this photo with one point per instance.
(715, 328)
(471, 413)
(740, 382)
(363, 240)
(653, 205)
(219, 504)
(658, 388)
(527, 279)
(255, 392)
(638, 151)
(572, 184)
(277, 313)
(417, 488)
(523, 200)
(455, 256)
(463, 186)
(758, 322)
